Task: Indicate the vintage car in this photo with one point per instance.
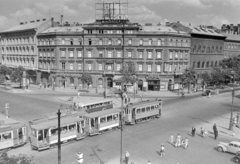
(232, 147)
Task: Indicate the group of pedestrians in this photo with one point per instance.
(203, 131)
(179, 142)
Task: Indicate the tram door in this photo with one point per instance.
(15, 137)
(133, 114)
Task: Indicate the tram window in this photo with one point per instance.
(152, 107)
(64, 129)
(115, 116)
(148, 108)
(20, 133)
(138, 110)
(143, 109)
(6, 136)
(72, 127)
(102, 120)
(88, 106)
(54, 131)
(0, 137)
(109, 118)
(156, 106)
(82, 123)
(40, 135)
(33, 132)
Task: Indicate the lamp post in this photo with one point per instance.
(59, 136)
(231, 118)
(104, 92)
(134, 76)
(6, 109)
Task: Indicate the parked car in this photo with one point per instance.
(236, 158)
(206, 93)
(232, 147)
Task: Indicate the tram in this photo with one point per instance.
(12, 134)
(93, 106)
(44, 131)
(143, 111)
(102, 121)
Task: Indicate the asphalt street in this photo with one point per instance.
(141, 140)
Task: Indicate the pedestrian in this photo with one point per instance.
(149, 162)
(215, 134)
(193, 131)
(202, 132)
(183, 142)
(78, 93)
(205, 132)
(171, 139)
(127, 156)
(162, 150)
(40, 85)
(178, 140)
(214, 127)
(183, 94)
(233, 133)
(185, 145)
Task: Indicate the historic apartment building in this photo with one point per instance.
(231, 45)
(19, 45)
(102, 49)
(207, 46)
(230, 29)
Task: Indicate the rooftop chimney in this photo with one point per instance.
(238, 29)
(43, 19)
(21, 23)
(61, 21)
(25, 22)
(38, 20)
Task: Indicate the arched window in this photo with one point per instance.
(194, 64)
(203, 64)
(212, 51)
(216, 49)
(100, 82)
(199, 64)
(212, 64)
(194, 48)
(207, 64)
(63, 42)
(216, 63)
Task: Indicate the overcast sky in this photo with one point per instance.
(196, 12)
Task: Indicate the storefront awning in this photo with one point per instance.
(117, 78)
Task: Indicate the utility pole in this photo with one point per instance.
(59, 136)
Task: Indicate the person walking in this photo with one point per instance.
(127, 156)
(215, 134)
(193, 131)
(185, 143)
(162, 150)
(171, 139)
(214, 127)
(202, 132)
(178, 141)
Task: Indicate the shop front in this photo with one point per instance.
(153, 85)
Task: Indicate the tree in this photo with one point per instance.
(4, 72)
(233, 64)
(17, 74)
(20, 159)
(86, 79)
(128, 74)
(206, 77)
(219, 75)
(188, 77)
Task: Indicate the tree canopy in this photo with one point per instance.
(189, 76)
(86, 79)
(129, 74)
(232, 64)
(17, 73)
(20, 159)
(4, 72)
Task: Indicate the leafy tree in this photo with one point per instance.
(20, 159)
(188, 77)
(233, 64)
(86, 79)
(4, 71)
(207, 78)
(17, 74)
(219, 75)
(128, 74)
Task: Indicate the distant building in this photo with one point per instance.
(102, 49)
(230, 29)
(206, 46)
(19, 45)
(231, 45)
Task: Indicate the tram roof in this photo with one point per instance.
(103, 113)
(54, 122)
(143, 103)
(89, 102)
(12, 126)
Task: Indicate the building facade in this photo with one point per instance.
(207, 47)
(231, 45)
(19, 46)
(102, 49)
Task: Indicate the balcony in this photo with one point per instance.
(108, 73)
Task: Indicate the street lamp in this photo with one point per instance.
(134, 77)
(122, 95)
(6, 109)
(231, 118)
(104, 92)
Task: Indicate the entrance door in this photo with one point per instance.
(140, 85)
(133, 114)
(109, 82)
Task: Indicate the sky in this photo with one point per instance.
(196, 12)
